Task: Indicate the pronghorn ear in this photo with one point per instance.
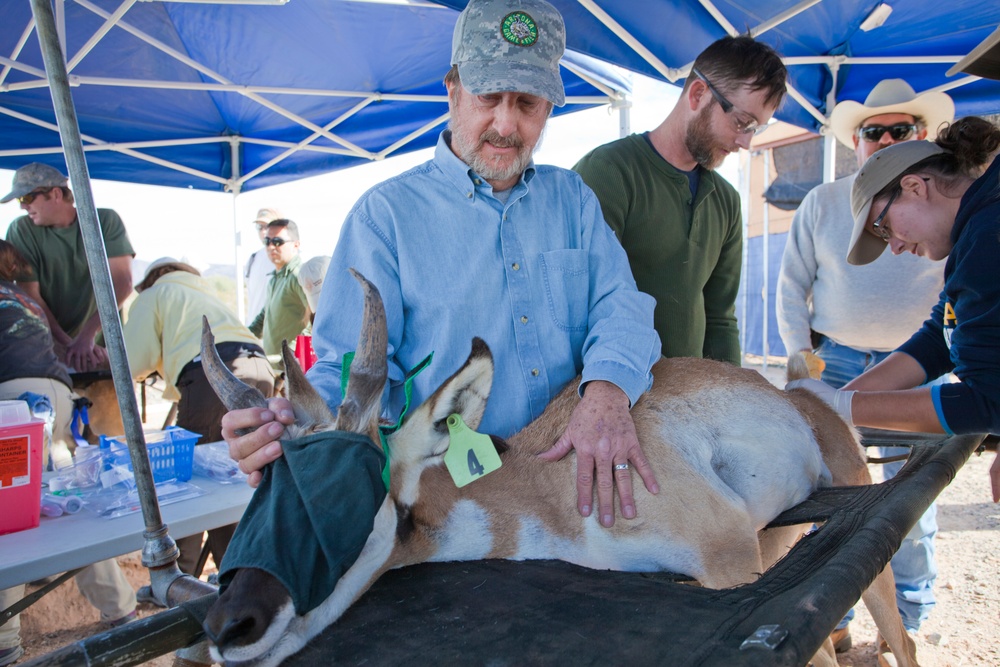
(467, 391)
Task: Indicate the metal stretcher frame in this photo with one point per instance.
(554, 613)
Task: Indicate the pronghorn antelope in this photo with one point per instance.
(730, 451)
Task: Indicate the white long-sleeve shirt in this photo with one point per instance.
(877, 306)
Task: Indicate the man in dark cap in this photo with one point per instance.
(49, 237)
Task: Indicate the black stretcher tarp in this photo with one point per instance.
(500, 613)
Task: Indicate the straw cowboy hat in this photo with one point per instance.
(891, 96)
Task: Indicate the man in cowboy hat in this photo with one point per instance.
(848, 311)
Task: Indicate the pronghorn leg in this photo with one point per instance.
(880, 599)
(775, 543)
(733, 560)
(825, 656)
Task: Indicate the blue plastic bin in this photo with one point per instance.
(171, 452)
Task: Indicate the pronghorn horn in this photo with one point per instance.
(234, 393)
(309, 408)
(363, 403)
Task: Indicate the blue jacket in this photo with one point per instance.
(963, 332)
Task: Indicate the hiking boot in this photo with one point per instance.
(8, 656)
(841, 638)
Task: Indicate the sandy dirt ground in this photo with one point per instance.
(964, 628)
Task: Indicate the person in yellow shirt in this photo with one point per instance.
(163, 335)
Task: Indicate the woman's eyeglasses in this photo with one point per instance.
(743, 122)
(898, 132)
(276, 241)
(879, 226)
(32, 196)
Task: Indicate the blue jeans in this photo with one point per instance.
(913, 565)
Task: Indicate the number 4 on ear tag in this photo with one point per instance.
(470, 455)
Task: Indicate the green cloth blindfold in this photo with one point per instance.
(311, 515)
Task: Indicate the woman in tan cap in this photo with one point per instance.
(934, 200)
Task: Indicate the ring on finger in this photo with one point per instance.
(621, 466)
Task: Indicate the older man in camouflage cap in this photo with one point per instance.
(480, 241)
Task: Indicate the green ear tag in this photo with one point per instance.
(470, 455)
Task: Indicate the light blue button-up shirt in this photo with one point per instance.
(542, 279)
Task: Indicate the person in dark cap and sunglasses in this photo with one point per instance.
(57, 275)
(481, 241)
(820, 296)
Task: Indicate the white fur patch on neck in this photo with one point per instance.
(466, 535)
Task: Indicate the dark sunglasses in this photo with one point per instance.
(32, 196)
(276, 241)
(898, 132)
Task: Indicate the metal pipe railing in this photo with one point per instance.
(159, 554)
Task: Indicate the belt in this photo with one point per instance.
(227, 352)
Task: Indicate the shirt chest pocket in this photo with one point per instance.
(567, 287)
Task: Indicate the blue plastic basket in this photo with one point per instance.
(171, 452)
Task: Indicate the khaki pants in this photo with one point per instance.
(103, 584)
(61, 396)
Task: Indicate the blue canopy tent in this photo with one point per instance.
(233, 97)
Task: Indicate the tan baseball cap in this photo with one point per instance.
(267, 215)
(879, 171)
(984, 60)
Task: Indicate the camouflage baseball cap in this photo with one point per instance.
(510, 46)
(32, 177)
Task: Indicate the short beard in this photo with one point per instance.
(490, 170)
(700, 141)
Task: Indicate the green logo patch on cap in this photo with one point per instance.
(519, 28)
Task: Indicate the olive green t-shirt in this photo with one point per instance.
(686, 252)
(58, 263)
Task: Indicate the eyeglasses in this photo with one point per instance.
(743, 122)
(276, 241)
(898, 132)
(881, 229)
(32, 196)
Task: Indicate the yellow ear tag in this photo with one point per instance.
(470, 455)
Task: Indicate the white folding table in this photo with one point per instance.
(70, 541)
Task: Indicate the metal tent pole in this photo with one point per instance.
(159, 553)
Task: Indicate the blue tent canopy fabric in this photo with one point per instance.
(233, 97)
(824, 45)
(237, 97)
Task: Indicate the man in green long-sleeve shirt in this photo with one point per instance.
(678, 220)
(286, 310)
